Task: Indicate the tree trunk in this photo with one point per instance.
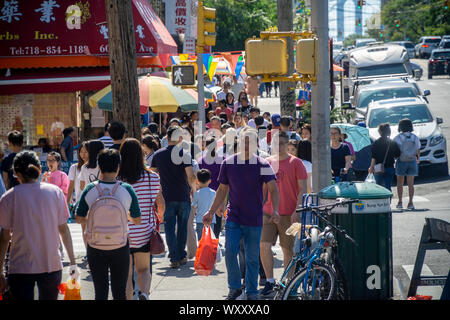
(123, 66)
(287, 89)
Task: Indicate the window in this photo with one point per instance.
(441, 55)
(433, 40)
(408, 45)
(383, 69)
(367, 97)
(416, 113)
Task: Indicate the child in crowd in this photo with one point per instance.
(203, 199)
(54, 175)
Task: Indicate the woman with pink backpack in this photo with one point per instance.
(105, 207)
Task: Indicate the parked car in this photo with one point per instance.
(444, 44)
(439, 63)
(408, 45)
(417, 70)
(426, 45)
(446, 37)
(433, 145)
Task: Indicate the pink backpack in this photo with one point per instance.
(107, 223)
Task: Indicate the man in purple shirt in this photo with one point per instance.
(242, 176)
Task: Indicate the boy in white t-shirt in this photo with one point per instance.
(203, 199)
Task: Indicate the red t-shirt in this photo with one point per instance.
(288, 172)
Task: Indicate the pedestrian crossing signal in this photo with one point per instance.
(183, 75)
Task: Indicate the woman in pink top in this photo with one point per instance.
(54, 175)
(36, 215)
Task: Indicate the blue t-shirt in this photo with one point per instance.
(67, 144)
(171, 163)
(203, 199)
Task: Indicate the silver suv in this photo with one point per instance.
(425, 46)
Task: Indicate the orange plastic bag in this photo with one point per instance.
(70, 289)
(419, 297)
(205, 257)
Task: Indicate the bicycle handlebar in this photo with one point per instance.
(328, 207)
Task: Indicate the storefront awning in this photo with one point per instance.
(67, 34)
(53, 80)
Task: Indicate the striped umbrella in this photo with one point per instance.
(155, 92)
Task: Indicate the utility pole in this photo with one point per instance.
(285, 16)
(123, 65)
(320, 100)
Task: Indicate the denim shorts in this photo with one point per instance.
(407, 168)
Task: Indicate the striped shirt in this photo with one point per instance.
(107, 141)
(147, 189)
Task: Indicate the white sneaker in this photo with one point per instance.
(143, 296)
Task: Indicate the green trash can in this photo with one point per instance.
(368, 266)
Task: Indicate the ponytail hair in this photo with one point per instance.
(27, 164)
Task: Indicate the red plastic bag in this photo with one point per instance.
(205, 257)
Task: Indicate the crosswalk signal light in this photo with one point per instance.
(306, 56)
(266, 56)
(206, 23)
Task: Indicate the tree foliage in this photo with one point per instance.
(417, 18)
(238, 20)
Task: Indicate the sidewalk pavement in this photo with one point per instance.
(167, 283)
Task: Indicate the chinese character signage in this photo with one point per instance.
(181, 18)
(73, 27)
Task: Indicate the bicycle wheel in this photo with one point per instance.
(319, 285)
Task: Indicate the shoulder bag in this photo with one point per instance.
(156, 241)
(379, 168)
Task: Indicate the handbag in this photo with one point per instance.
(379, 168)
(156, 241)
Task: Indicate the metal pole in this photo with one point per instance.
(320, 100)
(201, 90)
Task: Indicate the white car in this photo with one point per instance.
(433, 150)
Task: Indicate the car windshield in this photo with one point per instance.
(446, 44)
(364, 42)
(441, 55)
(434, 40)
(382, 69)
(366, 97)
(408, 45)
(416, 113)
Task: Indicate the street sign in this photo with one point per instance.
(183, 75)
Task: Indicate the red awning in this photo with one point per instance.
(53, 80)
(76, 35)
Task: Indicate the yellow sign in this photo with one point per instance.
(40, 130)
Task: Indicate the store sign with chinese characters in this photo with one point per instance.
(68, 27)
(181, 18)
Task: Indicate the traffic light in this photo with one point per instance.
(381, 34)
(446, 4)
(206, 23)
(306, 56)
(397, 23)
(358, 22)
(266, 56)
(183, 75)
(360, 4)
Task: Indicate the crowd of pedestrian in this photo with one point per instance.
(244, 176)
